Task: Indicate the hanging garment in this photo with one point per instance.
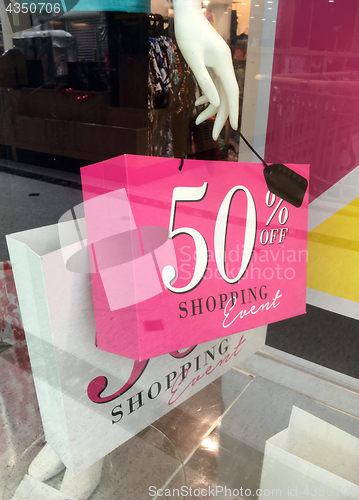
(163, 93)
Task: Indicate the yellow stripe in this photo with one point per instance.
(333, 254)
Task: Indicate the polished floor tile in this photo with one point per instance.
(232, 457)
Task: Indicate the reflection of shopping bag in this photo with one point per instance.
(310, 459)
(186, 257)
(91, 401)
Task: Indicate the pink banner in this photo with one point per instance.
(180, 258)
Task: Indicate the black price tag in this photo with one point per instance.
(285, 183)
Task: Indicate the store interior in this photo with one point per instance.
(55, 67)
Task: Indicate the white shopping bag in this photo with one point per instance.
(310, 459)
(91, 401)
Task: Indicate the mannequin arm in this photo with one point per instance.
(209, 57)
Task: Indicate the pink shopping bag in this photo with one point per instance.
(184, 257)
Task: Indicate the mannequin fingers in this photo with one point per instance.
(231, 96)
(220, 120)
(207, 113)
(210, 110)
(230, 88)
(231, 93)
(201, 100)
(205, 82)
(208, 88)
(222, 114)
(234, 113)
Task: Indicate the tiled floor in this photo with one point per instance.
(213, 441)
(33, 197)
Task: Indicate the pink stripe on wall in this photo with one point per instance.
(314, 98)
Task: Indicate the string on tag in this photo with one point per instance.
(245, 140)
(253, 150)
(280, 179)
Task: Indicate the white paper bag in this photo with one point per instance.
(91, 401)
(310, 459)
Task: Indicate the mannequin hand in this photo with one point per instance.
(209, 57)
(222, 111)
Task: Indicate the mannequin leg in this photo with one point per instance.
(46, 464)
(82, 485)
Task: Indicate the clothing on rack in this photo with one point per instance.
(163, 81)
(172, 93)
(163, 73)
